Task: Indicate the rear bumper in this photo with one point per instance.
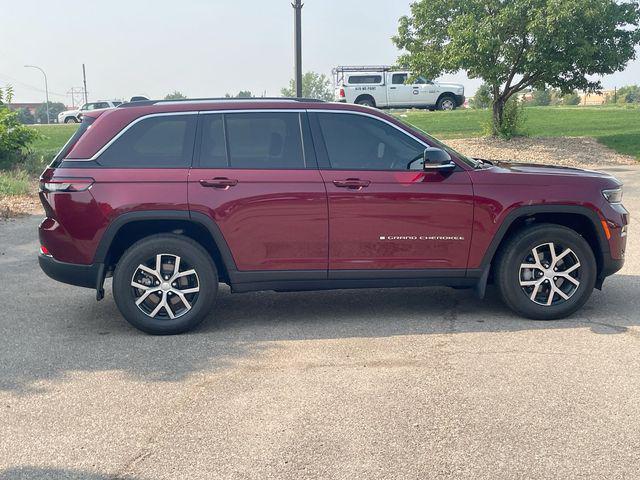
(71, 273)
(460, 100)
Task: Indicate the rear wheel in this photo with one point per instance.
(165, 284)
(366, 101)
(546, 272)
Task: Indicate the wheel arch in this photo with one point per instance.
(130, 227)
(583, 220)
(367, 96)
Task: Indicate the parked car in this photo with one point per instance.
(75, 116)
(172, 197)
(385, 87)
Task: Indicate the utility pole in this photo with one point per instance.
(84, 80)
(46, 88)
(297, 8)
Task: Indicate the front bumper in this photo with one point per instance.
(71, 273)
(460, 100)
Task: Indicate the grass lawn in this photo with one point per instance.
(615, 127)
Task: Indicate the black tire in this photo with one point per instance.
(193, 257)
(518, 250)
(366, 101)
(446, 102)
(70, 120)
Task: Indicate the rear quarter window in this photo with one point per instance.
(361, 79)
(164, 141)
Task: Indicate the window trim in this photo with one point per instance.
(324, 163)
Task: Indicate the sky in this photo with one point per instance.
(203, 48)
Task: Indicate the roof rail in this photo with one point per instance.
(142, 103)
(362, 68)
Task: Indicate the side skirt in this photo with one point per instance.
(292, 281)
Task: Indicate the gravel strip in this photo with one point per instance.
(565, 151)
(581, 152)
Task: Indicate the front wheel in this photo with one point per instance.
(546, 272)
(446, 103)
(165, 284)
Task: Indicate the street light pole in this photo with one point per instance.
(46, 88)
(297, 7)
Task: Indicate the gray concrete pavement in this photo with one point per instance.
(411, 383)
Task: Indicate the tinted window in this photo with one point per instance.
(86, 122)
(213, 153)
(399, 78)
(100, 105)
(164, 141)
(115, 104)
(357, 79)
(264, 140)
(357, 142)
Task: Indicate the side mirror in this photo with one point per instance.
(437, 159)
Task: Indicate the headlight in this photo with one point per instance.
(613, 195)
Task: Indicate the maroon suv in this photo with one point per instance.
(172, 197)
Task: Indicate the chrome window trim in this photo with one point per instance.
(244, 110)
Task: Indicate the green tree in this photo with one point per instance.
(482, 98)
(629, 94)
(516, 44)
(25, 116)
(541, 97)
(54, 109)
(314, 85)
(175, 95)
(241, 94)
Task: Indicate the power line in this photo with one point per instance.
(26, 85)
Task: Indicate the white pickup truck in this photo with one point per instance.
(386, 87)
(75, 116)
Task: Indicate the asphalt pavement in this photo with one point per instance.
(375, 384)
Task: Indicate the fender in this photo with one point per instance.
(195, 217)
(531, 210)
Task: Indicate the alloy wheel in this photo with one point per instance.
(165, 287)
(550, 274)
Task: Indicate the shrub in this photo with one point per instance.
(571, 99)
(541, 98)
(513, 118)
(14, 138)
(482, 98)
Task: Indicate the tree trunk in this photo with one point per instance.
(498, 115)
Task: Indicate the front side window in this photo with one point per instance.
(264, 140)
(358, 142)
(153, 142)
(399, 78)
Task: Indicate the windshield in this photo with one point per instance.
(469, 161)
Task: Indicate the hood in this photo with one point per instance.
(68, 111)
(530, 174)
(453, 86)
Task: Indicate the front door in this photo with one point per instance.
(258, 180)
(400, 92)
(383, 213)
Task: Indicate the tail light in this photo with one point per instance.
(342, 95)
(66, 185)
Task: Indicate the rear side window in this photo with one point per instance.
(259, 140)
(359, 79)
(161, 141)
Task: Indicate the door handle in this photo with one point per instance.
(352, 183)
(219, 182)
(392, 88)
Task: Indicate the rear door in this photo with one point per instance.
(256, 176)
(386, 213)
